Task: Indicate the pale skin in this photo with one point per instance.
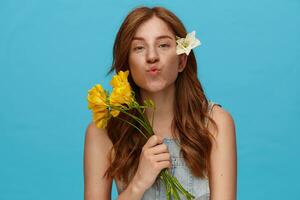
(155, 45)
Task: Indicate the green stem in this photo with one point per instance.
(152, 117)
(171, 182)
(133, 126)
(145, 120)
(152, 113)
(172, 190)
(141, 122)
(176, 185)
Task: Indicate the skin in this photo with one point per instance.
(155, 45)
(150, 49)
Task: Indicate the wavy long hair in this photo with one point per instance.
(190, 108)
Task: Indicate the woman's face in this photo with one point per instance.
(153, 62)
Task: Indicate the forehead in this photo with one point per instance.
(152, 28)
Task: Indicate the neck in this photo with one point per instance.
(164, 105)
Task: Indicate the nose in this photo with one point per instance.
(152, 56)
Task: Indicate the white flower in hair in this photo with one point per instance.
(185, 45)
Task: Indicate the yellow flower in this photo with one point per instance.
(185, 45)
(101, 118)
(102, 105)
(97, 98)
(120, 79)
(121, 93)
(97, 103)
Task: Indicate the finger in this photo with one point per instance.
(160, 148)
(164, 164)
(162, 157)
(153, 140)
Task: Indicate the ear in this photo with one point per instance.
(182, 62)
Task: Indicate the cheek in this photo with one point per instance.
(136, 68)
(135, 61)
(172, 62)
(172, 66)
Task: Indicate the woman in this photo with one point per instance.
(194, 138)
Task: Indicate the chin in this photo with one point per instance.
(153, 88)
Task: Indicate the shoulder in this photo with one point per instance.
(94, 133)
(223, 118)
(224, 132)
(224, 145)
(96, 136)
(93, 130)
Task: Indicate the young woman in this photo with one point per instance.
(194, 137)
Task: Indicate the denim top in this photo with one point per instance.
(197, 186)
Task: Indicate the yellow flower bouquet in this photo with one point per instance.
(105, 105)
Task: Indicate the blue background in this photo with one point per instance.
(52, 52)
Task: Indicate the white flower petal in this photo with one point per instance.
(180, 51)
(195, 43)
(187, 52)
(185, 45)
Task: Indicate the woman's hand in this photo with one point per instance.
(154, 157)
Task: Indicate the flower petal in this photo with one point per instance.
(185, 45)
(122, 93)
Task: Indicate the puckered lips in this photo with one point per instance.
(153, 70)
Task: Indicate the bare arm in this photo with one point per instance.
(96, 149)
(154, 158)
(223, 160)
(134, 191)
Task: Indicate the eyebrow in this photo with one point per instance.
(157, 38)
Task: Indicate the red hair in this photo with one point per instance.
(191, 105)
